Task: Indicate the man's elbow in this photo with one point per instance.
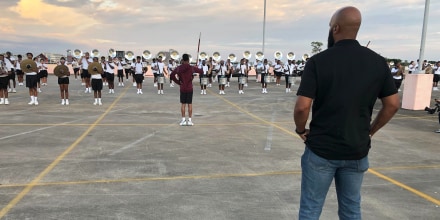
(391, 103)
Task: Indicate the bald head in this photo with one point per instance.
(345, 23)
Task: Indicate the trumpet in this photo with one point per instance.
(216, 56)
(290, 56)
(129, 55)
(94, 53)
(77, 53)
(112, 53)
(146, 54)
(247, 55)
(278, 55)
(259, 56)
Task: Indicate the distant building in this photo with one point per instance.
(52, 57)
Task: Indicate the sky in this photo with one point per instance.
(393, 27)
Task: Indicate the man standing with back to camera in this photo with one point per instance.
(339, 137)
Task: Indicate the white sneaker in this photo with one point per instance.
(110, 91)
(36, 103)
(245, 85)
(189, 123)
(14, 91)
(122, 84)
(119, 84)
(31, 103)
(2, 102)
(223, 92)
(95, 103)
(39, 90)
(63, 102)
(134, 84)
(67, 102)
(204, 92)
(6, 102)
(155, 84)
(201, 92)
(83, 84)
(183, 122)
(9, 90)
(161, 92)
(227, 85)
(209, 85)
(140, 92)
(99, 103)
(220, 92)
(171, 85)
(158, 92)
(87, 90)
(435, 88)
(438, 131)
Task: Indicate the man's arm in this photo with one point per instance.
(173, 76)
(390, 105)
(301, 115)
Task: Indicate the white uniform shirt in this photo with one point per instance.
(75, 64)
(437, 72)
(85, 64)
(160, 66)
(222, 70)
(412, 68)
(17, 65)
(9, 63)
(154, 67)
(241, 68)
(204, 68)
(137, 67)
(119, 64)
(394, 70)
(108, 67)
(278, 68)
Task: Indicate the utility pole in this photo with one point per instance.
(264, 26)
(422, 44)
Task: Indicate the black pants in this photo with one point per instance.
(398, 83)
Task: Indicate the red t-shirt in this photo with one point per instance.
(185, 76)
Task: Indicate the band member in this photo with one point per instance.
(31, 83)
(43, 72)
(171, 67)
(264, 70)
(436, 77)
(154, 69)
(278, 71)
(39, 74)
(205, 68)
(289, 74)
(230, 71)
(108, 67)
(10, 64)
(221, 74)
(300, 68)
(138, 74)
(242, 71)
(249, 67)
(97, 85)
(4, 79)
(183, 76)
(397, 72)
(127, 69)
(161, 72)
(104, 74)
(412, 67)
(85, 75)
(75, 67)
(18, 71)
(63, 82)
(210, 70)
(120, 66)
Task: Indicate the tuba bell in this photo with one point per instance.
(203, 55)
(94, 53)
(247, 55)
(259, 56)
(278, 55)
(232, 58)
(146, 54)
(174, 55)
(161, 54)
(129, 55)
(305, 57)
(216, 56)
(77, 53)
(291, 56)
(112, 53)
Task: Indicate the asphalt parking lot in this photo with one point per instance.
(129, 158)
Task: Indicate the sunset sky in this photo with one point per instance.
(393, 26)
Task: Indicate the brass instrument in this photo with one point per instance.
(203, 55)
(77, 53)
(161, 54)
(232, 58)
(112, 53)
(61, 70)
(305, 57)
(290, 56)
(174, 55)
(259, 56)
(278, 55)
(216, 56)
(147, 54)
(129, 55)
(247, 55)
(94, 53)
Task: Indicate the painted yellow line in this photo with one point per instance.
(395, 182)
(409, 167)
(215, 176)
(49, 168)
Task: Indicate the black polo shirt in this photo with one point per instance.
(344, 82)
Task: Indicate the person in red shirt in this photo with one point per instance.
(183, 76)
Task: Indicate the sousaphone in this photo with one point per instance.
(112, 53)
(174, 55)
(291, 56)
(146, 54)
(28, 66)
(259, 56)
(61, 70)
(77, 53)
(216, 56)
(305, 57)
(94, 53)
(278, 55)
(247, 54)
(203, 55)
(95, 68)
(129, 55)
(232, 58)
(161, 54)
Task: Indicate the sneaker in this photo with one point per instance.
(134, 84)
(99, 103)
(31, 103)
(122, 84)
(161, 92)
(9, 90)
(220, 92)
(63, 102)
(87, 90)
(438, 131)
(201, 92)
(189, 123)
(435, 88)
(158, 92)
(14, 91)
(95, 103)
(155, 84)
(39, 90)
(6, 102)
(171, 85)
(67, 102)
(245, 85)
(209, 85)
(140, 92)
(183, 122)
(204, 92)
(110, 91)
(36, 103)
(2, 102)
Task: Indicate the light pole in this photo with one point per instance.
(264, 26)
(422, 44)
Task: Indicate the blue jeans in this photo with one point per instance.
(317, 176)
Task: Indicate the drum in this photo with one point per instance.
(160, 79)
(267, 78)
(204, 81)
(242, 80)
(222, 81)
